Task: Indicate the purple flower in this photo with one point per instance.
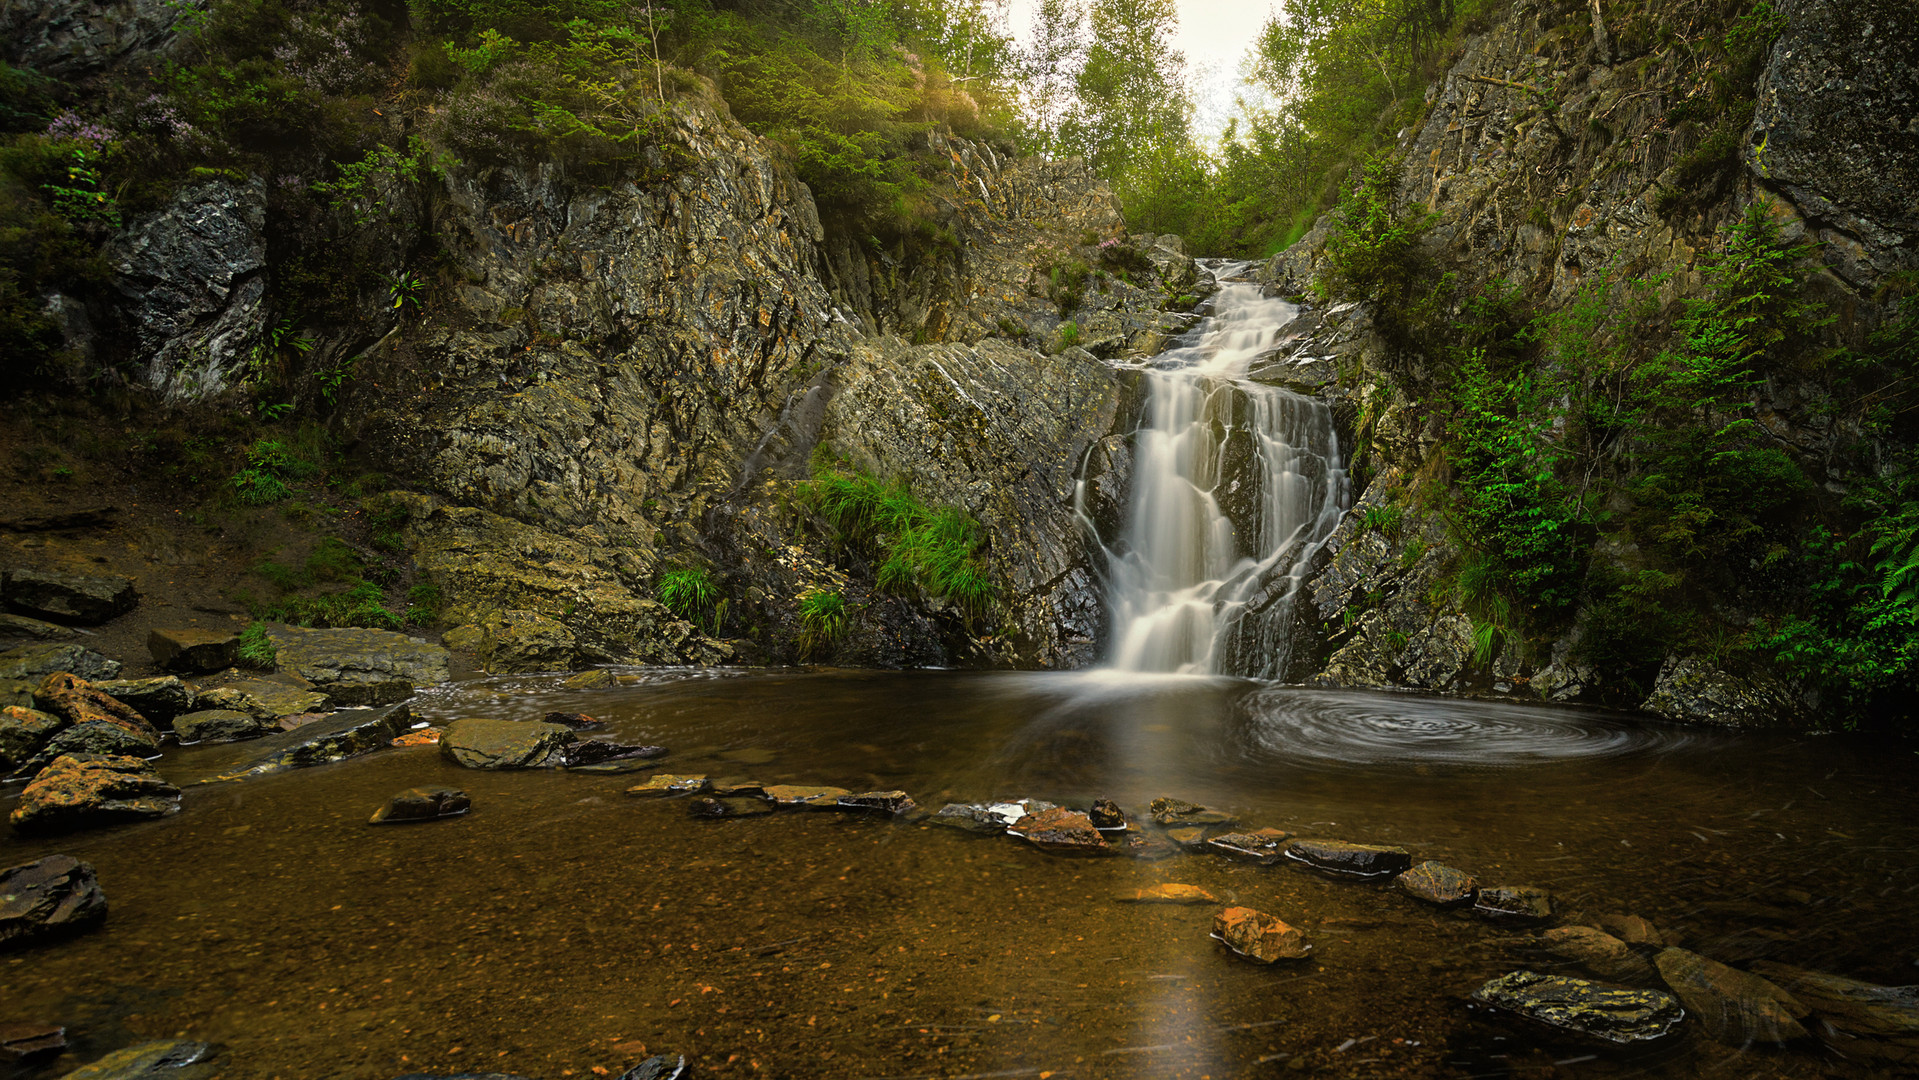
(69, 127)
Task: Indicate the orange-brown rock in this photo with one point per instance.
(79, 790)
(1063, 831)
(1259, 936)
(68, 695)
(1170, 894)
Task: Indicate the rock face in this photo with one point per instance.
(48, 899)
(1359, 860)
(73, 38)
(1584, 1008)
(34, 661)
(512, 641)
(76, 598)
(1691, 690)
(422, 804)
(193, 649)
(1258, 936)
(355, 666)
(1436, 883)
(82, 790)
(477, 743)
(1735, 1007)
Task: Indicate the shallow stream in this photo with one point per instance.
(563, 928)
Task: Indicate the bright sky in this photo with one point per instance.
(1214, 35)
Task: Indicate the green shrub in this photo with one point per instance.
(258, 487)
(424, 601)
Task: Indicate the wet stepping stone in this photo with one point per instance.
(709, 807)
(1514, 903)
(1168, 893)
(1258, 936)
(173, 1058)
(1169, 811)
(1106, 815)
(814, 797)
(1262, 846)
(667, 784)
(1356, 860)
(26, 1039)
(482, 743)
(1439, 884)
(599, 751)
(1581, 1007)
(969, 818)
(422, 804)
(1062, 832)
(895, 803)
(1735, 1007)
(218, 725)
(1191, 837)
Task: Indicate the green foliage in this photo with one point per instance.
(273, 465)
(1068, 335)
(1371, 253)
(256, 648)
(936, 552)
(306, 599)
(690, 593)
(1382, 518)
(822, 621)
(424, 602)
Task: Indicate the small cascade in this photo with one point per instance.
(1235, 485)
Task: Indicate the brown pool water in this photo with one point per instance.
(563, 928)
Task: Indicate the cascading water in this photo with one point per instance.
(1235, 485)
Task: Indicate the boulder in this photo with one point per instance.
(422, 804)
(21, 626)
(1106, 814)
(711, 807)
(1436, 883)
(264, 699)
(666, 784)
(1585, 1008)
(193, 649)
(1513, 903)
(1061, 831)
(218, 725)
(1735, 1007)
(159, 700)
(23, 733)
(1691, 690)
(1600, 953)
(356, 666)
(894, 803)
(48, 899)
(480, 743)
(36, 661)
(93, 737)
(1262, 846)
(1169, 894)
(345, 734)
(65, 694)
(1358, 860)
(585, 680)
(1881, 1021)
(172, 1059)
(1258, 936)
(82, 790)
(77, 598)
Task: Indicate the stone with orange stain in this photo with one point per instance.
(1258, 936)
(1063, 831)
(1170, 893)
(423, 737)
(68, 695)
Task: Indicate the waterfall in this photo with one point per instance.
(1235, 485)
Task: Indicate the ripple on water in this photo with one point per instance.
(1369, 729)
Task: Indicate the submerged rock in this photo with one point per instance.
(969, 818)
(343, 735)
(1170, 811)
(1584, 1008)
(172, 1059)
(78, 791)
(1632, 930)
(710, 807)
(1735, 1007)
(218, 725)
(1600, 953)
(1169, 893)
(1262, 846)
(1882, 1021)
(667, 784)
(422, 804)
(1437, 883)
(589, 680)
(1358, 860)
(76, 598)
(1190, 837)
(577, 721)
(48, 899)
(34, 661)
(21, 1040)
(193, 649)
(1514, 903)
(480, 743)
(1258, 936)
(895, 803)
(1135, 844)
(355, 666)
(584, 752)
(1061, 831)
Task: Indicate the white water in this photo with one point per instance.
(1235, 485)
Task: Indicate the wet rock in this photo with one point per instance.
(96, 737)
(36, 661)
(1437, 883)
(480, 743)
(419, 736)
(578, 722)
(667, 785)
(1734, 1007)
(969, 818)
(159, 700)
(1171, 812)
(21, 626)
(1190, 837)
(27, 1039)
(583, 752)
(218, 725)
(711, 807)
(896, 803)
(514, 641)
(193, 649)
(1359, 860)
(1258, 936)
(1632, 930)
(172, 1059)
(618, 766)
(65, 694)
(265, 699)
(345, 734)
(354, 666)
(589, 680)
(23, 733)
(422, 804)
(48, 899)
(1691, 690)
(68, 597)
(17, 692)
(1262, 846)
(1169, 894)
(81, 790)
(1600, 953)
(1514, 903)
(1106, 814)
(461, 1076)
(1135, 844)
(1061, 831)
(661, 1067)
(1881, 1021)
(1584, 1008)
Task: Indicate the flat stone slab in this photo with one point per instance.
(37, 661)
(894, 803)
(48, 899)
(481, 743)
(1264, 846)
(1259, 937)
(193, 649)
(422, 804)
(266, 699)
(356, 666)
(218, 725)
(336, 738)
(1356, 860)
(1062, 832)
(158, 699)
(666, 785)
(79, 598)
(1438, 884)
(1610, 1013)
(21, 626)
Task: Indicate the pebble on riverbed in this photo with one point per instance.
(48, 899)
(1258, 936)
(422, 804)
